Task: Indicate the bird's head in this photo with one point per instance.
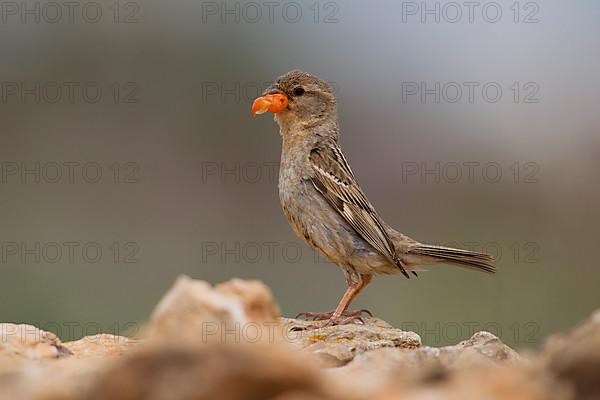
(298, 99)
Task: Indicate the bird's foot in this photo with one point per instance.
(328, 315)
(329, 319)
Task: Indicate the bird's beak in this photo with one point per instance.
(271, 102)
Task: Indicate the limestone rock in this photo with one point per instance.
(492, 382)
(193, 310)
(29, 342)
(241, 361)
(574, 357)
(482, 347)
(372, 370)
(335, 346)
(57, 379)
(255, 297)
(217, 371)
(102, 345)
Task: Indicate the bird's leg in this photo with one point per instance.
(356, 283)
(340, 316)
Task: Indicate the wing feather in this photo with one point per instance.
(335, 181)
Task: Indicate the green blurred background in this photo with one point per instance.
(187, 183)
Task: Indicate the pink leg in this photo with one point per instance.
(340, 316)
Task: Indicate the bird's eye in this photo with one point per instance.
(299, 91)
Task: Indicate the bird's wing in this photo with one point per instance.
(334, 179)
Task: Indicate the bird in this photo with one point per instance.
(325, 205)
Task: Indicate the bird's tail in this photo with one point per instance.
(463, 258)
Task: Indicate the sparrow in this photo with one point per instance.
(324, 203)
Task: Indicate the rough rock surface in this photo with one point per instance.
(102, 345)
(219, 371)
(205, 342)
(370, 371)
(574, 357)
(192, 309)
(29, 342)
(335, 346)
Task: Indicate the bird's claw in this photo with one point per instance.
(328, 315)
(333, 321)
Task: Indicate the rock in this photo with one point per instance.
(193, 310)
(227, 342)
(335, 346)
(35, 364)
(371, 370)
(492, 382)
(102, 345)
(479, 368)
(482, 347)
(29, 342)
(58, 379)
(574, 357)
(217, 371)
(331, 354)
(255, 297)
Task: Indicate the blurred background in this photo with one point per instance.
(129, 156)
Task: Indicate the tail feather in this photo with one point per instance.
(462, 258)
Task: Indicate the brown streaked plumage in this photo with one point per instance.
(324, 203)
